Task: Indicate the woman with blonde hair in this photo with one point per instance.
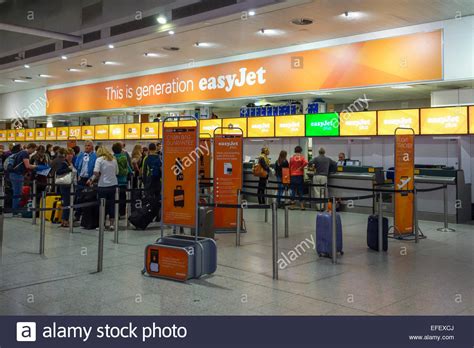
(136, 164)
(105, 173)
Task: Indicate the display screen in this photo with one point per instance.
(20, 135)
(290, 126)
(471, 119)
(358, 123)
(75, 133)
(322, 125)
(150, 130)
(11, 134)
(132, 131)
(87, 132)
(206, 127)
(389, 120)
(62, 133)
(261, 127)
(3, 135)
(187, 123)
(116, 131)
(452, 120)
(40, 133)
(101, 132)
(30, 135)
(239, 122)
(51, 133)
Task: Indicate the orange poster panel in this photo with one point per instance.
(101, 132)
(358, 123)
(227, 177)
(20, 135)
(75, 133)
(471, 119)
(150, 130)
(451, 120)
(180, 148)
(404, 180)
(172, 263)
(205, 158)
(87, 132)
(30, 135)
(3, 135)
(132, 131)
(389, 120)
(116, 132)
(51, 133)
(237, 122)
(40, 134)
(62, 133)
(369, 63)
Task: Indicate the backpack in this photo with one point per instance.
(122, 162)
(10, 163)
(153, 166)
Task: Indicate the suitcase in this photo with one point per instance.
(324, 234)
(206, 223)
(89, 215)
(373, 233)
(142, 217)
(53, 202)
(178, 196)
(181, 257)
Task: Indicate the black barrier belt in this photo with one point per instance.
(246, 206)
(307, 199)
(432, 189)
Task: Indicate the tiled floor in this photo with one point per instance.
(432, 277)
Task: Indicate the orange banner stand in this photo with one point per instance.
(404, 180)
(180, 176)
(228, 177)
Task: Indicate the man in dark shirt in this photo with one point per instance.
(21, 165)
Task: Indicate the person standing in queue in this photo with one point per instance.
(124, 172)
(297, 164)
(136, 164)
(264, 162)
(151, 173)
(322, 166)
(105, 172)
(85, 163)
(281, 163)
(63, 166)
(40, 158)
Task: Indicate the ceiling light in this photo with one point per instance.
(108, 62)
(26, 66)
(270, 32)
(401, 87)
(302, 21)
(111, 46)
(44, 76)
(171, 32)
(251, 13)
(73, 70)
(352, 15)
(18, 80)
(151, 54)
(197, 44)
(64, 57)
(161, 20)
(205, 103)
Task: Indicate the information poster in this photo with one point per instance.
(150, 130)
(165, 262)
(20, 135)
(87, 133)
(452, 120)
(3, 135)
(404, 180)
(261, 127)
(389, 120)
(290, 126)
(239, 122)
(75, 133)
(322, 125)
(30, 135)
(62, 133)
(208, 126)
(51, 133)
(40, 134)
(181, 154)
(205, 158)
(358, 123)
(227, 178)
(132, 131)
(101, 132)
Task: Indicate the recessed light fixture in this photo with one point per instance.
(111, 46)
(161, 20)
(302, 21)
(401, 87)
(18, 81)
(197, 44)
(151, 54)
(352, 15)
(108, 62)
(44, 76)
(64, 57)
(251, 13)
(270, 32)
(171, 32)
(26, 66)
(73, 69)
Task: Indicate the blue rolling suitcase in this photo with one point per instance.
(373, 233)
(324, 234)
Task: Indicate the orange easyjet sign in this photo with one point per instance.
(375, 62)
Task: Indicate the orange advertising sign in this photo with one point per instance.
(261, 127)
(358, 123)
(20, 135)
(132, 131)
(180, 153)
(451, 120)
(150, 130)
(75, 133)
(62, 133)
(389, 120)
(87, 133)
(101, 132)
(404, 180)
(208, 126)
(373, 62)
(51, 133)
(239, 122)
(3, 135)
(30, 135)
(290, 126)
(166, 262)
(471, 119)
(228, 176)
(40, 134)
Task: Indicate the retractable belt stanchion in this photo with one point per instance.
(71, 209)
(239, 218)
(415, 213)
(446, 228)
(2, 220)
(116, 215)
(286, 221)
(334, 231)
(380, 222)
(42, 223)
(33, 203)
(266, 202)
(100, 256)
(275, 240)
(128, 205)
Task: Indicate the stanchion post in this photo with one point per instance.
(42, 223)
(415, 217)
(128, 205)
(239, 218)
(266, 203)
(445, 208)
(380, 222)
(2, 220)
(33, 203)
(116, 215)
(334, 231)
(71, 209)
(275, 240)
(286, 221)
(2, 192)
(100, 256)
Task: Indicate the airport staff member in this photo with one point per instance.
(322, 166)
(341, 159)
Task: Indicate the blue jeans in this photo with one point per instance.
(296, 183)
(281, 188)
(17, 181)
(65, 192)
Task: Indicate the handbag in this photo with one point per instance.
(65, 179)
(258, 171)
(285, 175)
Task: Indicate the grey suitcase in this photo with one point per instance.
(206, 223)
